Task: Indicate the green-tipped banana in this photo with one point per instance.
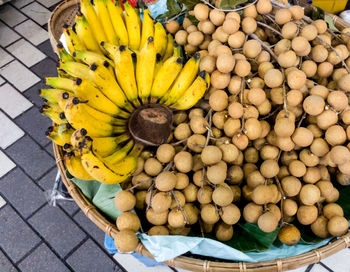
(53, 95)
(85, 34)
(119, 154)
(72, 39)
(60, 83)
(63, 54)
(90, 58)
(75, 167)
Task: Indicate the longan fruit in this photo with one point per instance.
(269, 152)
(273, 78)
(263, 56)
(343, 179)
(333, 197)
(220, 80)
(313, 105)
(340, 154)
(321, 26)
(211, 155)
(289, 31)
(267, 222)
(309, 194)
(176, 218)
(309, 67)
(209, 214)
(326, 119)
(141, 178)
(307, 214)
(124, 201)
(290, 207)
(251, 155)
(297, 168)
(220, 35)
(219, 118)
(255, 179)
(291, 186)
(250, 11)
(231, 126)
(217, 17)
(309, 32)
(128, 220)
(282, 46)
(344, 83)
(212, 46)
(218, 100)
(319, 227)
(201, 12)
(251, 48)
(264, 6)
(235, 110)
(326, 188)
(230, 26)
(283, 16)
(301, 46)
(264, 108)
(344, 168)
(157, 219)
(161, 202)
(242, 67)
(158, 230)
(165, 181)
(204, 195)
(249, 25)
(252, 212)
(296, 79)
(182, 131)
(225, 63)
(165, 153)
(338, 100)
(217, 173)
(230, 214)
(190, 192)
(181, 37)
(261, 194)
(223, 232)
(324, 69)
(126, 240)
(152, 167)
(196, 112)
(256, 96)
(222, 195)
(235, 174)
(250, 111)
(195, 142)
(182, 181)
(332, 209)
(183, 162)
(229, 152)
(297, 12)
(319, 53)
(302, 137)
(172, 27)
(252, 128)
(233, 15)
(284, 127)
(289, 235)
(294, 98)
(240, 140)
(236, 40)
(190, 49)
(335, 135)
(195, 38)
(337, 225)
(186, 23)
(269, 168)
(191, 212)
(198, 124)
(207, 27)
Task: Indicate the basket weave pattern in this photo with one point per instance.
(65, 14)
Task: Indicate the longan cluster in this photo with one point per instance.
(269, 139)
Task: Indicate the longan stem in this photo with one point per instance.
(168, 166)
(285, 98)
(209, 116)
(176, 16)
(271, 113)
(202, 182)
(268, 49)
(272, 20)
(150, 196)
(228, 10)
(180, 208)
(269, 27)
(179, 142)
(282, 197)
(139, 184)
(201, 227)
(241, 100)
(302, 119)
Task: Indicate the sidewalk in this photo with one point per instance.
(33, 235)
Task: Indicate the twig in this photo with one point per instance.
(168, 166)
(272, 20)
(269, 27)
(139, 184)
(271, 113)
(179, 142)
(282, 198)
(268, 49)
(241, 94)
(301, 119)
(209, 115)
(150, 190)
(176, 16)
(202, 182)
(228, 10)
(285, 98)
(180, 208)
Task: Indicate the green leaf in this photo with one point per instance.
(317, 13)
(193, 19)
(189, 4)
(230, 4)
(344, 200)
(173, 7)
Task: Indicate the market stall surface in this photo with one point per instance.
(35, 236)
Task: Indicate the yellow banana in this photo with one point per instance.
(177, 51)
(158, 65)
(64, 132)
(144, 77)
(85, 90)
(72, 39)
(160, 39)
(116, 15)
(169, 48)
(183, 81)
(62, 100)
(110, 49)
(147, 27)
(133, 26)
(124, 70)
(89, 12)
(89, 58)
(63, 54)
(60, 83)
(103, 15)
(194, 92)
(56, 117)
(77, 136)
(165, 77)
(120, 153)
(75, 167)
(79, 118)
(105, 146)
(52, 95)
(85, 34)
(52, 134)
(97, 168)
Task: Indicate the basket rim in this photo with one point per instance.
(189, 263)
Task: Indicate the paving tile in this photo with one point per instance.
(2, 202)
(31, 197)
(37, 13)
(20, 76)
(20, 3)
(57, 229)
(11, 16)
(48, 3)
(9, 132)
(33, 93)
(47, 181)
(6, 164)
(336, 261)
(35, 125)
(32, 32)
(319, 268)
(46, 48)
(49, 149)
(42, 259)
(69, 206)
(12, 102)
(131, 264)
(2, 81)
(4, 57)
(25, 52)
(16, 236)
(90, 227)
(6, 264)
(7, 35)
(97, 261)
(26, 153)
(45, 68)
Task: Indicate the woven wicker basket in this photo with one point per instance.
(65, 14)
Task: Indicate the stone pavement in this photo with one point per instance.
(34, 236)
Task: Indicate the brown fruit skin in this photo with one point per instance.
(302, 136)
(332, 209)
(128, 220)
(122, 198)
(172, 27)
(230, 214)
(181, 37)
(158, 230)
(161, 202)
(264, 6)
(220, 80)
(209, 214)
(183, 161)
(249, 25)
(165, 181)
(222, 195)
(211, 155)
(201, 12)
(307, 214)
(319, 227)
(268, 222)
(283, 16)
(223, 232)
(225, 63)
(165, 153)
(217, 17)
(289, 235)
(269, 168)
(290, 207)
(176, 218)
(273, 78)
(309, 194)
(252, 212)
(126, 241)
(291, 186)
(156, 218)
(337, 225)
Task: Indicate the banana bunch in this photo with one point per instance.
(115, 62)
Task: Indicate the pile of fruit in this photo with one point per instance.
(267, 144)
